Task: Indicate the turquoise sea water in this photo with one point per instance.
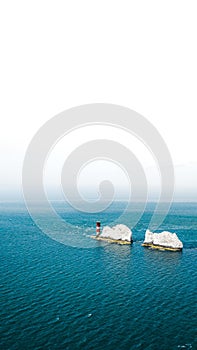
(55, 296)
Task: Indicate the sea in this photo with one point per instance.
(55, 295)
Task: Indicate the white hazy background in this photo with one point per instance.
(60, 54)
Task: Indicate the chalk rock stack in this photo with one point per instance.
(117, 233)
(165, 239)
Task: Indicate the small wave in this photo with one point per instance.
(185, 346)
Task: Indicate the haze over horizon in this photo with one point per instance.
(93, 173)
(90, 178)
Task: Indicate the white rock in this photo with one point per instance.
(118, 232)
(164, 239)
(149, 237)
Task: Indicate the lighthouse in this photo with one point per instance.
(98, 228)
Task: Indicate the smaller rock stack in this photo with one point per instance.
(164, 240)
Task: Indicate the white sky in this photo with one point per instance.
(60, 54)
